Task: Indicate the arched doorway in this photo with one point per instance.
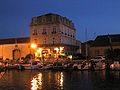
(16, 54)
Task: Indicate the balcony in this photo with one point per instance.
(44, 33)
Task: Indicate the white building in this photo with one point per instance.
(52, 30)
(53, 34)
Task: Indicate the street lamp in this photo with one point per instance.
(33, 46)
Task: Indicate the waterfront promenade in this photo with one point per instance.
(68, 65)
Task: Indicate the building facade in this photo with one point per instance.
(102, 43)
(14, 48)
(54, 35)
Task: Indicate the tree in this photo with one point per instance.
(27, 58)
(117, 54)
(112, 54)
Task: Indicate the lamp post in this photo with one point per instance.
(32, 46)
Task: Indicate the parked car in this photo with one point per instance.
(98, 58)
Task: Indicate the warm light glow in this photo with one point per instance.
(36, 54)
(61, 80)
(112, 66)
(33, 45)
(57, 49)
(37, 82)
(40, 81)
(70, 56)
(48, 50)
(39, 50)
(61, 48)
(34, 84)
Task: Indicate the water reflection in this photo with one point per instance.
(61, 80)
(56, 80)
(39, 81)
(36, 82)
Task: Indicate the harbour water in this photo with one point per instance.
(60, 80)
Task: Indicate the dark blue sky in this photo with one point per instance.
(98, 16)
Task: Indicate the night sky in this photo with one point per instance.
(99, 17)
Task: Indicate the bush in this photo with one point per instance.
(1, 68)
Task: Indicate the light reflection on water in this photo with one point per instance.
(60, 80)
(38, 80)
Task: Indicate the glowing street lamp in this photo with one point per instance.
(57, 49)
(33, 46)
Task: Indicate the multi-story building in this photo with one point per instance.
(53, 34)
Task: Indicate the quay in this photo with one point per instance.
(70, 65)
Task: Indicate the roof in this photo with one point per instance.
(106, 40)
(51, 18)
(15, 40)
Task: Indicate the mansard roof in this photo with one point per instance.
(15, 40)
(106, 40)
(51, 18)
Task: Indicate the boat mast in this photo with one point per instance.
(86, 46)
(110, 44)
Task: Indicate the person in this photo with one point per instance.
(39, 65)
(21, 67)
(5, 65)
(99, 65)
(92, 67)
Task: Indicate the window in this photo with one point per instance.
(35, 40)
(54, 30)
(34, 20)
(43, 19)
(35, 32)
(44, 42)
(53, 40)
(44, 31)
(97, 52)
(40, 20)
(49, 19)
